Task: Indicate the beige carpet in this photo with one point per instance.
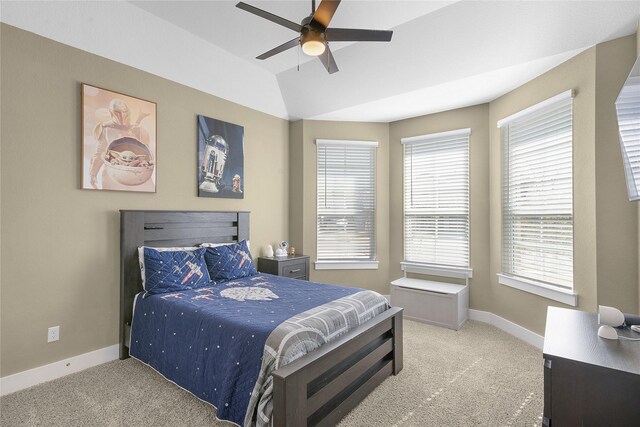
(478, 376)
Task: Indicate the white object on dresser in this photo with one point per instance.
(267, 251)
(438, 303)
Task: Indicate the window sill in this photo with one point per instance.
(346, 265)
(564, 296)
(437, 270)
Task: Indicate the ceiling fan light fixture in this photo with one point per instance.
(313, 48)
(313, 43)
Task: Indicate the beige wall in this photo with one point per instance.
(60, 244)
(303, 227)
(578, 73)
(296, 186)
(638, 56)
(605, 232)
(476, 118)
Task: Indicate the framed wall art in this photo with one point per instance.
(220, 159)
(118, 141)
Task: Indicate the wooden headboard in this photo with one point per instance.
(165, 229)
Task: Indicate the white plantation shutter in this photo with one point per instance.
(436, 199)
(537, 199)
(628, 109)
(346, 200)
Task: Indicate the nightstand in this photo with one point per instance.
(588, 380)
(293, 266)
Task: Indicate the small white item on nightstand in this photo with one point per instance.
(610, 316)
(268, 251)
(282, 250)
(606, 331)
(635, 328)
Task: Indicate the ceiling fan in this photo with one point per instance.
(315, 32)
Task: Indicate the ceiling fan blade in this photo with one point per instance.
(281, 48)
(327, 60)
(325, 12)
(270, 16)
(356, 35)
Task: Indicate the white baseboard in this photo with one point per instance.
(508, 326)
(49, 372)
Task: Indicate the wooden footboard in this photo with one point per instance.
(322, 387)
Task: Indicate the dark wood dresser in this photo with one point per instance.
(588, 380)
(294, 266)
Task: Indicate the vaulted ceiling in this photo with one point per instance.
(443, 55)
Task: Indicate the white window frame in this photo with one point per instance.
(442, 270)
(371, 264)
(547, 290)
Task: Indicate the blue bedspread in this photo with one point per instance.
(210, 340)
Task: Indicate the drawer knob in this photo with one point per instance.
(295, 271)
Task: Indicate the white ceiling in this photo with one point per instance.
(443, 55)
(234, 30)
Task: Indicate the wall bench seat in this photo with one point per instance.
(438, 303)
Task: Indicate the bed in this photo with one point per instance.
(318, 388)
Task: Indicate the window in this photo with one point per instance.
(628, 110)
(436, 203)
(346, 234)
(537, 198)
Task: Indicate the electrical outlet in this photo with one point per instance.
(54, 334)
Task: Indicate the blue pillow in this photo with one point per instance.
(229, 262)
(172, 269)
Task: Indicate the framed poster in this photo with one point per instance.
(220, 159)
(118, 141)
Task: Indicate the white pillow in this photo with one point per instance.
(215, 245)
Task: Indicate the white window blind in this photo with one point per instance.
(537, 199)
(628, 110)
(436, 199)
(346, 200)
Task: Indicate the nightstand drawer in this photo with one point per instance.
(292, 266)
(296, 270)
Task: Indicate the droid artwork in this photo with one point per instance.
(220, 159)
(118, 141)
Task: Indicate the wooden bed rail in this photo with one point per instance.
(322, 387)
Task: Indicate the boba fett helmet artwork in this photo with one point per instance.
(212, 167)
(220, 159)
